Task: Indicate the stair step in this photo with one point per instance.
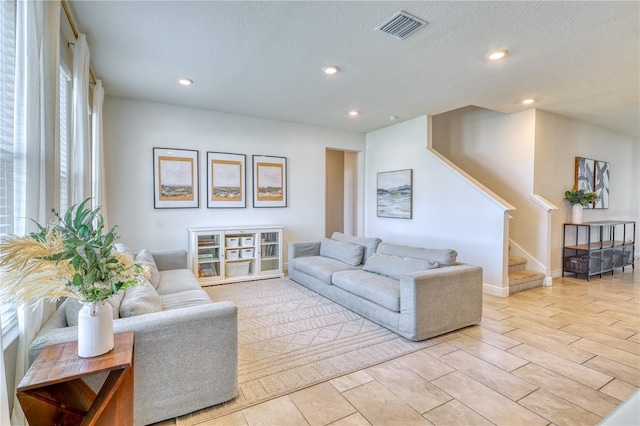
(517, 263)
(525, 280)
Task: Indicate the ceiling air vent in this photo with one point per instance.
(401, 25)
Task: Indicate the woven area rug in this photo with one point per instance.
(291, 338)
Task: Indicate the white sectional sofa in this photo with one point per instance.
(185, 345)
(416, 292)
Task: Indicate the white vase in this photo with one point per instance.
(95, 329)
(576, 213)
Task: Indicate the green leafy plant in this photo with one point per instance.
(70, 257)
(580, 196)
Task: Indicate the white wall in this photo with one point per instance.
(498, 150)
(133, 128)
(448, 210)
(558, 141)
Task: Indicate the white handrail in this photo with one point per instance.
(542, 202)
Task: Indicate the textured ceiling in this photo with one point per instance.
(264, 59)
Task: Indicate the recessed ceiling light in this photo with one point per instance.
(498, 54)
(185, 82)
(330, 69)
(353, 113)
(528, 101)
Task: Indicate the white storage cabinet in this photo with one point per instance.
(225, 255)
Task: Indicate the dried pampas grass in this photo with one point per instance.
(27, 276)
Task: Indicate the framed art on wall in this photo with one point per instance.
(593, 176)
(394, 194)
(584, 174)
(269, 181)
(226, 180)
(601, 181)
(175, 178)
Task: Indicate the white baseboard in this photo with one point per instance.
(547, 282)
(495, 290)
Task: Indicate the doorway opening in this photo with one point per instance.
(341, 192)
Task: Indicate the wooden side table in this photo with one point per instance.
(53, 393)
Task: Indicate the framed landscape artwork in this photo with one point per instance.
(394, 194)
(269, 181)
(226, 180)
(175, 178)
(593, 176)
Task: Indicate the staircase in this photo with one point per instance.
(520, 278)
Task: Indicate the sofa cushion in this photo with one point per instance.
(144, 258)
(319, 267)
(394, 266)
(378, 289)
(370, 244)
(176, 281)
(348, 253)
(442, 256)
(73, 306)
(184, 299)
(140, 300)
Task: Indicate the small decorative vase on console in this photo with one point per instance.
(576, 213)
(95, 329)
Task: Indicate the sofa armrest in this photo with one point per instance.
(440, 300)
(185, 359)
(171, 259)
(303, 249)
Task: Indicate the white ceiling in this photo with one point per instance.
(264, 59)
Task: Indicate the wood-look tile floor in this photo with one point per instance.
(565, 354)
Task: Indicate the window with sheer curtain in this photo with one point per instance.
(65, 128)
(7, 101)
(13, 156)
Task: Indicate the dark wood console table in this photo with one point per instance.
(52, 392)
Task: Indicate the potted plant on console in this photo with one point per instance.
(579, 199)
(71, 257)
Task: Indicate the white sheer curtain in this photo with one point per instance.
(99, 178)
(37, 53)
(80, 164)
(4, 396)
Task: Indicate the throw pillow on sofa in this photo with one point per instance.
(444, 257)
(348, 253)
(140, 300)
(124, 249)
(370, 244)
(144, 258)
(394, 266)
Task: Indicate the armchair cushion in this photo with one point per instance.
(144, 258)
(140, 300)
(177, 281)
(184, 299)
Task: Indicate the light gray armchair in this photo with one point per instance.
(185, 359)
